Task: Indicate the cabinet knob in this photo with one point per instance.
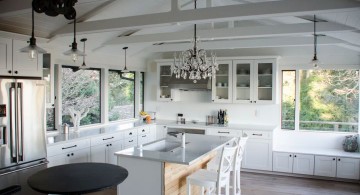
(255, 102)
(16, 72)
(72, 154)
(143, 130)
(290, 155)
(250, 101)
(171, 99)
(339, 159)
(213, 100)
(9, 71)
(68, 155)
(295, 156)
(130, 133)
(334, 159)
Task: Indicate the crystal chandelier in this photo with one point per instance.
(193, 63)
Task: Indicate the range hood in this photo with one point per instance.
(189, 85)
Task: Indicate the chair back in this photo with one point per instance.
(240, 151)
(226, 163)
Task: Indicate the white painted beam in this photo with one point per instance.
(213, 14)
(247, 43)
(244, 32)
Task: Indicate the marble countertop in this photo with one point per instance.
(197, 147)
(203, 125)
(317, 151)
(53, 138)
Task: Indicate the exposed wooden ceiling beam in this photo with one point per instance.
(247, 43)
(211, 14)
(244, 32)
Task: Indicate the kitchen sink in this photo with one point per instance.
(162, 146)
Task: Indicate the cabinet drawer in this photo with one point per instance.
(107, 138)
(130, 133)
(258, 134)
(143, 130)
(144, 138)
(224, 132)
(130, 142)
(68, 147)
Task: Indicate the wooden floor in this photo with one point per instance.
(263, 184)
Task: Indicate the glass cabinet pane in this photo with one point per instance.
(222, 81)
(165, 76)
(265, 78)
(243, 81)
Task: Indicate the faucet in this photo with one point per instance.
(174, 134)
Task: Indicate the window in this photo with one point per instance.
(121, 95)
(80, 96)
(328, 100)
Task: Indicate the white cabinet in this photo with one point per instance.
(224, 132)
(164, 91)
(5, 56)
(330, 166)
(293, 163)
(258, 151)
(254, 81)
(69, 152)
(161, 131)
(103, 147)
(222, 83)
(15, 63)
(146, 134)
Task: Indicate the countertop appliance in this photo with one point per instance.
(22, 131)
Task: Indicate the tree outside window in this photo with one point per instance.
(80, 96)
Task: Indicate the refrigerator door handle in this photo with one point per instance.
(13, 141)
(20, 125)
(3, 136)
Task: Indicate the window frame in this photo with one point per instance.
(107, 96)
(297, 70)
(100, 94)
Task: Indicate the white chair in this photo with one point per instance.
(214, 180)
(214, 163)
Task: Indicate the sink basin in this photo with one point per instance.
(162, 146)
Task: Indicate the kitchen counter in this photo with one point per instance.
(196, 147)
(54, 138)
(203, 125)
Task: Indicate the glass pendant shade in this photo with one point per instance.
(32, 49)
(83, 65)
(315, 62)
(194, 63)
(74, 52)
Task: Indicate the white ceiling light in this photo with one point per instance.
(193, 63)
(74, 52)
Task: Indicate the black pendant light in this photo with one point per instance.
(74, 52)
(315, 61)
(83, 65)
(125, 68)
(32, 48)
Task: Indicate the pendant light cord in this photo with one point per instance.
(75, 30)
(125, 61)
(33, 24)
(195, 38)
(315, 36)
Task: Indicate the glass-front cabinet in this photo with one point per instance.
(222, 83)
(253, 81)
(164, 91)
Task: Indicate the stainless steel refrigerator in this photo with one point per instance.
(22, 132)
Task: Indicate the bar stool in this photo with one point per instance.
(214, 180)
(214, 164)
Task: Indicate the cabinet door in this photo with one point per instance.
(258, 155)
(80, 156)
(348, 168)
(5, 57)
(264, 80)
(222, 83)
(111, 149)
(22, 64)
(303, 164)
(57, 160)
(243, 84)
(325, 166)
(144, 138)
(98, 153)
(283, 162)
(161, 131)
(164, 77)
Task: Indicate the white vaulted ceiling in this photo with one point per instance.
(158, 26)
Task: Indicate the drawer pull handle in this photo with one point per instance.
(143, 136)
(257, 134)
(224, 132)
(74, 146)
(108, 138)
(131, 140)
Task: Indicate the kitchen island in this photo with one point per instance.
(161, 167)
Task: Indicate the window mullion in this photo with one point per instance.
(297, 102)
